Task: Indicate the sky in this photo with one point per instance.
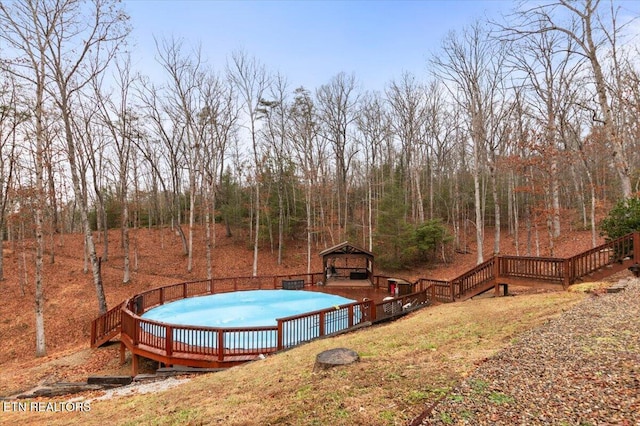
(308, 41)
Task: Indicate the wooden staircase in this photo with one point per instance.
(545, 272)
(541, 272)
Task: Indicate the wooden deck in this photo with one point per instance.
(348, 283)
(141, 336)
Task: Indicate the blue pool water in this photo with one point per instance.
(250, 309)
(243, 308)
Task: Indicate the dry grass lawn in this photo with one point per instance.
(405, 367)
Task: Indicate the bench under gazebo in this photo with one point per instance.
(347, 265)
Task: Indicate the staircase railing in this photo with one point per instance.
(106, 326)
(563, 271)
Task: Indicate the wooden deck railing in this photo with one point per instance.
(181, 343)
(106, 326)
(606, 254)
(186, 343)
(537, 268)
(564, 271)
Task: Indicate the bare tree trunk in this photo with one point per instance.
(256, 240)
(208, 240)
(125, 243)
(40, 202)
(478, 207)
(496, 207)
(280, 225)
(23, 276)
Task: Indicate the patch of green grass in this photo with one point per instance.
(478, 386)
(466, 414)
(334, 396)
(304, 392)
(342, 413)
(415, 396)
(394, 376)
(456, 398)
(446, 418)
(500, 398)
(429, 346)
(388, 416)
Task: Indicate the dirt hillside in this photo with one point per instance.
(71, 301)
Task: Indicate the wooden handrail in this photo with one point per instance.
(125, 318)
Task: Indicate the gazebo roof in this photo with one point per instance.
(346, 248)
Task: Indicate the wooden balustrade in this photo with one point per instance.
(173, 342)
(539, 268)
(106, 326)
(603, 255)
(177, 342)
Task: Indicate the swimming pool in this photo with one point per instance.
(246, 309)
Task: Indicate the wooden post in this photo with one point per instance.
(136, 331)
(322, 324)
(220, 345)
(122, 352)
(93, 331)
(279, 336)
(161, 296)
(134, 364)
(636, 246)
(168, 340)
(350, 319)
(372, 311)
(567, 273)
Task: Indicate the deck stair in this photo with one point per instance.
(498, 271)
(618, 287)
(548, 272)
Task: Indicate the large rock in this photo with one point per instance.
(335, 357)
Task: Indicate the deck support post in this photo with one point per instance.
(134, 364)
(122, 352)
(636, 246)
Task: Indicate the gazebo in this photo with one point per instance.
(347, 264)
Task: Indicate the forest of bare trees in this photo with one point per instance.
(516, 123)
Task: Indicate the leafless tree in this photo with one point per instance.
(408, 117)
(117, 116)
(31, 37)
(276, 111)
(219, 118)
(374, 126)
(251, 80)
(303, 128)
(163, 152)
(471, 65)
(337, 109)
(13, 113)
(185, 102)
(590, 25)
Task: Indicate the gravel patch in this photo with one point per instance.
(582, 368)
